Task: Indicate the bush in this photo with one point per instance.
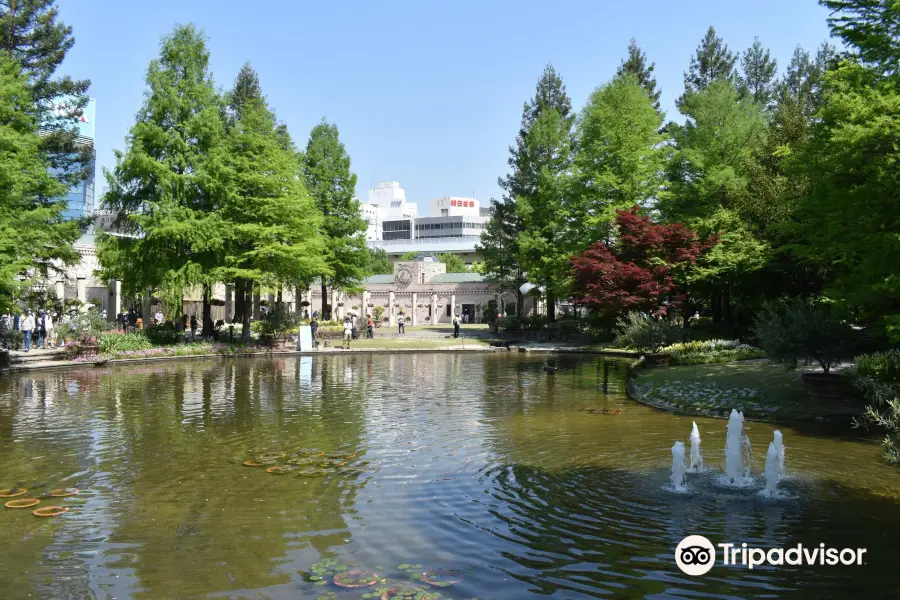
(793, 329)
(377, 313)
(877, 376)
(277, 323)
(113, 341)
(711, 351)
(164, 335)
(640, 332)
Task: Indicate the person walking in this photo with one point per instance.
(348, 332)
(26, 326)
(456, 326)
(193, 327)
(354, 321)
(40, 330)
(370, 327)
(401, 324)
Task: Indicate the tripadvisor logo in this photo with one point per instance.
(695, 555)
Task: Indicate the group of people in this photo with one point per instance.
(351, 326)
(41, 330)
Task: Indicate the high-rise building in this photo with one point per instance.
(80, 201)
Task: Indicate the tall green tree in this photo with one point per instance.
(271, 224)
(757, 77)
(871, 28)
(711, 61)
(332, 185)
(499, 248)
(34, 37)
(620, 157)
(378, 262)
(169, 183)
(636, 64)
(33, 236)
(716, 151)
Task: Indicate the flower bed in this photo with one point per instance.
(705, 398)
(710, 352)
(196, 349)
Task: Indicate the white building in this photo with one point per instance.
(388, 211)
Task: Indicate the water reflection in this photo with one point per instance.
(487, 464)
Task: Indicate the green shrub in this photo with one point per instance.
(794, 329)
(113, 341)
(164, 335)
(640, 332)
(877, 376)
(277, 323)
(377, 313)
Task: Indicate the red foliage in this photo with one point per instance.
(639, 271)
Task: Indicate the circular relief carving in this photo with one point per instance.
(403, 277)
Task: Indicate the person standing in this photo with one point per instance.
(456, 326)
(354, 321)
(26, 326)
(370, 327)
(193, 327)
(348, 332)
(401, 324)
(158, 317)
(51, 330)
(40, 329)
(314, 329)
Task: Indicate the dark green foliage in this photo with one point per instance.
(877, 377)
(648, 334)
(711, 62)
(794, 329)
(499, 245)
(378, 262)
(871, 28)
(636, 64)
(757, 78)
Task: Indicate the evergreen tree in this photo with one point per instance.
(168, 185)
(332, 185)
(871, 28)
(271, 225)
(378, 263)
(34, 37)
(33, 237)
(712, 61)
(539, 164)
(246, 88)
(620, 157)
(636, 64)
(499, 248)
(758, 74)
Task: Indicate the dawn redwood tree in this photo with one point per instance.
(332, 186)
(640, 271)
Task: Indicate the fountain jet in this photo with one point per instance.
(779, 448)
(772, 475)
(737, 451)
(678, 467)
(696, 457)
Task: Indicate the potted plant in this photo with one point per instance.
(377, 314)
(794, 330)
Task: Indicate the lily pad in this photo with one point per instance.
(280, 469)
(313, 472)
(355, 578)
(442, 577)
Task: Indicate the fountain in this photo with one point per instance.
(772, 474)
(737, 452)
(779, 447)
(678, 467)
(696, 457)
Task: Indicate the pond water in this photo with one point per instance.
(483, 468)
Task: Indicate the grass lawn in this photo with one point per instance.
(762, 390)
(413, 343)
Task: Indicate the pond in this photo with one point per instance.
(483, 470)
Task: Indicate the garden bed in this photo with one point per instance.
(761, 390)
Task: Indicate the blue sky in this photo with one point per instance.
(425, 93)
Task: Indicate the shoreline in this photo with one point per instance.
(67, 364)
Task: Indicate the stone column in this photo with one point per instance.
(60, 289)
(229, 295)
(145, 307)
(452, 306)
(364, 306)
(256, 300)
(81, 291)
(115, 300)
(435, 317)
(391, 320)
(415, 309)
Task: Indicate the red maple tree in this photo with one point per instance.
(639, 270)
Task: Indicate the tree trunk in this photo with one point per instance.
(716, 305)
(520, 300)
(207, 330)
(278, 299)
(726, 308)
(239, 306)
(325, 315)
(247, 290)
(551, 307)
